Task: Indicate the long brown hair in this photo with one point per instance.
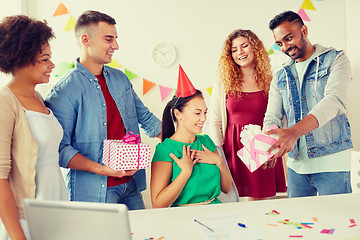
(230, 73)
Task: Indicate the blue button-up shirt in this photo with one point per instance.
(79, 105)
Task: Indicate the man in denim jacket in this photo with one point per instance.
(94, 102)
(312, 93)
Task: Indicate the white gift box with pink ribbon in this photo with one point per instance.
(256, 143)
(126, 154)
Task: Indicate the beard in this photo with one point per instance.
(301, 49)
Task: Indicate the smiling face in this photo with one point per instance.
(193, 116)
(242, 52)
(101, 43)
(39, 72)
(291, 37)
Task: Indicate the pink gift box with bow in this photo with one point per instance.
(256, 143)
(126, 154)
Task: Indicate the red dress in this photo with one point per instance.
(241, 111)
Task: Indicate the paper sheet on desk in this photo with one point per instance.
(225, 227)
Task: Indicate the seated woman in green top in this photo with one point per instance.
(186, 168)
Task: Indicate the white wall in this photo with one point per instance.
(196, 28)
(6, 10)
(352, 41)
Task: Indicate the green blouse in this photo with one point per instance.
(204, 182)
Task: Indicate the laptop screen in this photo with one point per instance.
(76, 220)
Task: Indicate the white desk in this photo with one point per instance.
(331, 211)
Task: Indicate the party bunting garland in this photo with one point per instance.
(114, 64)
(308, 5)
(61, 10)
(147, 85)
(303, 15)
(209, 90)
(62, 68)
(130, 74)
(164, 92)
(70, 24)
(276, 47)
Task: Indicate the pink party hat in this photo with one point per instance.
(184, 87)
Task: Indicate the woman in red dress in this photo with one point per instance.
(240, 98)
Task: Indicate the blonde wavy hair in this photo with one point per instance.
(230, 73)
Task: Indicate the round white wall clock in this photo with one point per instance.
(164, 54)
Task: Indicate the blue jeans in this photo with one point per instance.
(325, 183)
(127, 194)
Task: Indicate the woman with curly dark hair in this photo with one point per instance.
(29, 133)
(240, 98)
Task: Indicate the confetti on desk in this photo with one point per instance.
(286, 221)
(353, 224)
(271, 224)
(328, 231)
(151, 238)
(296, 224)
(273, 212)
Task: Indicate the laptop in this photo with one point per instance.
(59, 220)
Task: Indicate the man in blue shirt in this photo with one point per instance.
(94, 102)
(312, 92)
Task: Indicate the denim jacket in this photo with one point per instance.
(78, 103)
(324, 94)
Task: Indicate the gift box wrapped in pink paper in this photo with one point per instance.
(256, 143)
(126, 154)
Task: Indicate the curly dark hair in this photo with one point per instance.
(21, 39)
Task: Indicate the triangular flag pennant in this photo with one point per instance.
(70, 24)
(209, 90)
(271, 51)
(164, 92)
(303, 15)
(276, 47)
(147, 85)
(60, 10)
(62, 68)
(130, 74)
(307, 4)
(114, 64)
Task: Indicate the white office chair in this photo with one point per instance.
(233, 195)
(355, 171)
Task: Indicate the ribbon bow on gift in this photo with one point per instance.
(131, 138)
